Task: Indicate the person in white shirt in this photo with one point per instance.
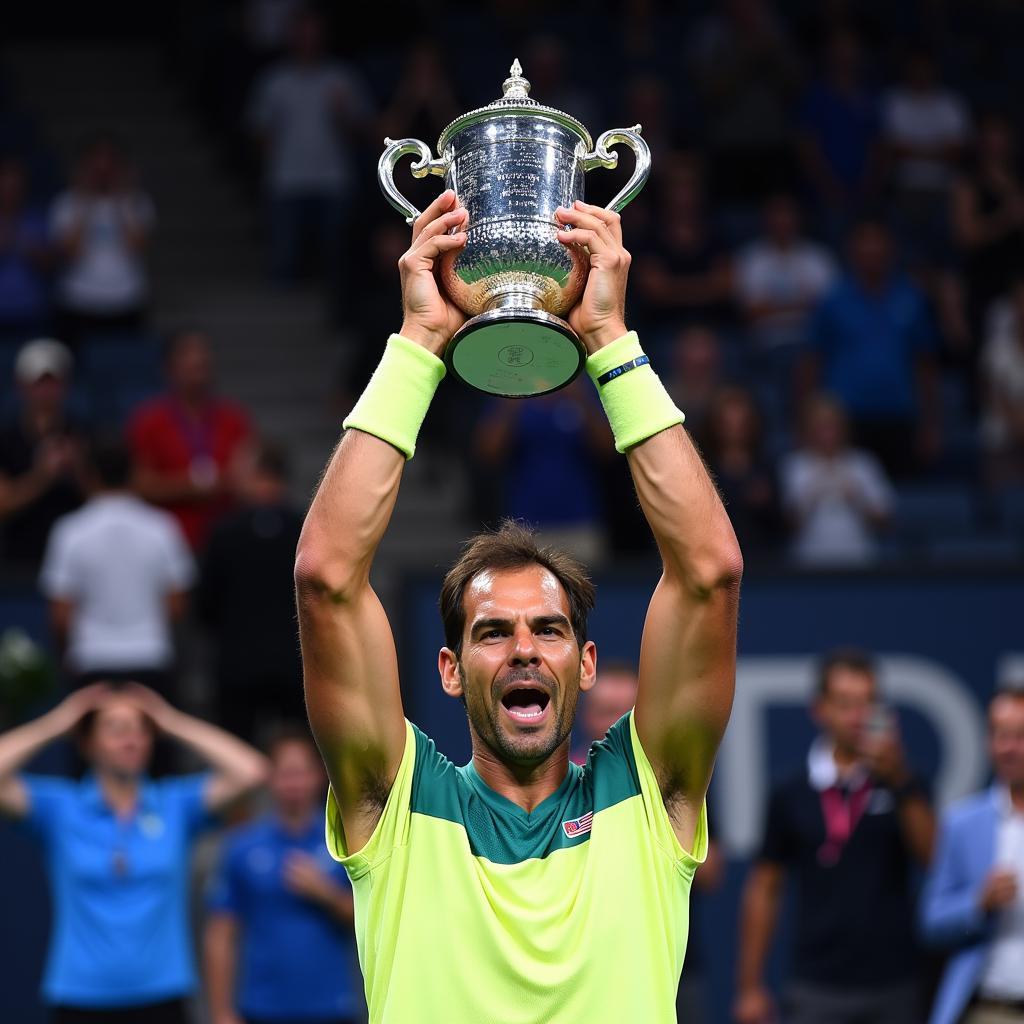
(116, 573)
(305, 110)
(1002, 379)
(836, 497)
(101, 227)
(779, 279)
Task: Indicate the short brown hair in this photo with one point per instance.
(850, 658)
(512, 546)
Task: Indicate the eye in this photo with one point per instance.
(492, 634)
(548, 631)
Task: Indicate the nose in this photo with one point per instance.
(524, 649)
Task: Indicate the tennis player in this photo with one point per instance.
(518, 888)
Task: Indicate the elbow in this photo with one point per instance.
(332, 578)
(255, 774)
(717, 568)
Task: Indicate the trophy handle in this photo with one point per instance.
(600, 157)
(420, 169)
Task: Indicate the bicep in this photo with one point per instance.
(350, 672)
(687, 676)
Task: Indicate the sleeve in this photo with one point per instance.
(392, 830)
(778, 846)
(657, 814)
(178, 565)
(188, 794)
(224, 889)
(47, 798)
(949, 911)
(58, 577)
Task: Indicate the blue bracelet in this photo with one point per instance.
(624, 368)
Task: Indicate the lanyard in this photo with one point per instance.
(842, 810)
(198, 436)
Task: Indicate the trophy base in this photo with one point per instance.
(515, 353)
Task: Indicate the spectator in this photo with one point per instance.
(839, 130)
(873, 348)
(279, 943)
(734, 449)
(246, 599)
(988, 220)
(556, 443)
(39, 454)
(116, 573)
(117, 849)
(307, 110)
(747, 73)
(185, 443)
(1002, 370)
(613, 696)
(836, 497)
(695, 374)
(780, 277)
(926, 129)
(423, 100)
(973, 903)
(851, 829)
(101, 227)
(684, 276)
(25, 258)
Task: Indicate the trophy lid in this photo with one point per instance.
(515, 99)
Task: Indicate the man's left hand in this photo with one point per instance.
(600, 315)
(304, 877)
(884, 757)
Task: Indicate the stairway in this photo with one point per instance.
(274, 350)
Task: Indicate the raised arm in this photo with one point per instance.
(688, 651)
(237, 767)
(20, 745)
(349, 663)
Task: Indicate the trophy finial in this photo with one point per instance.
(515, 87)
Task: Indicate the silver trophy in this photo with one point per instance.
(512, 164)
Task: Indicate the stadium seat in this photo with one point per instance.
(924, 513)
(988, 550)
(1010, 510)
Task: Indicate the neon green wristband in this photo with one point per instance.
(634, 399)
(394, 403)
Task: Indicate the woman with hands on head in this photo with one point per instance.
(117, 848)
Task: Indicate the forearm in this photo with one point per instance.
(219, 956)
(686, 515)
(225, 753)
(20, 745)
(337, 901)
(349, 514)
(758, 915)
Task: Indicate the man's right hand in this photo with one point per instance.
(754, 1006)
(999, 890)
(70, 711)
(430, 318)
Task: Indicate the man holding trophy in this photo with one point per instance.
(519, 888)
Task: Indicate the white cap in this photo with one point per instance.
(39, 357)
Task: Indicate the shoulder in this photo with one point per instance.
(966, 813)
(611, 766)
(433, 773)
(153, 411)
(231, 414)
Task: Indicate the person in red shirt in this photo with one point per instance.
(186, 442)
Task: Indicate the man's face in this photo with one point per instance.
(521, 669)
(1006, 738)
(121, 740)
(296, 777)
(190, 367)
(870, 253)
(843, 710)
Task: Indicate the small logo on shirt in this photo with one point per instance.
(578, 826)
(151, 826)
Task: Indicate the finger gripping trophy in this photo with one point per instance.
(512, 164)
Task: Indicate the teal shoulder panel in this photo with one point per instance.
(502, 832)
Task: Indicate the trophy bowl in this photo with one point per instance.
(511, 165)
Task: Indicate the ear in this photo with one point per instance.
(448, 669)
(588, 665)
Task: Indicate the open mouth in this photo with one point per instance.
(526, 704)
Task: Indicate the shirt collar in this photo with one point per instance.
(1003, 803)
(822, 770)
(92, 794)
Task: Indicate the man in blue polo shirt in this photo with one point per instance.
(279, 942)
(873, 346)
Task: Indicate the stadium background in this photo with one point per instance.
(940, 596)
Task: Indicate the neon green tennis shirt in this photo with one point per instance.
(469, 910)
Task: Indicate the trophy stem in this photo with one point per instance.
(514, 298)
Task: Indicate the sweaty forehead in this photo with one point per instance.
(531, 590)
